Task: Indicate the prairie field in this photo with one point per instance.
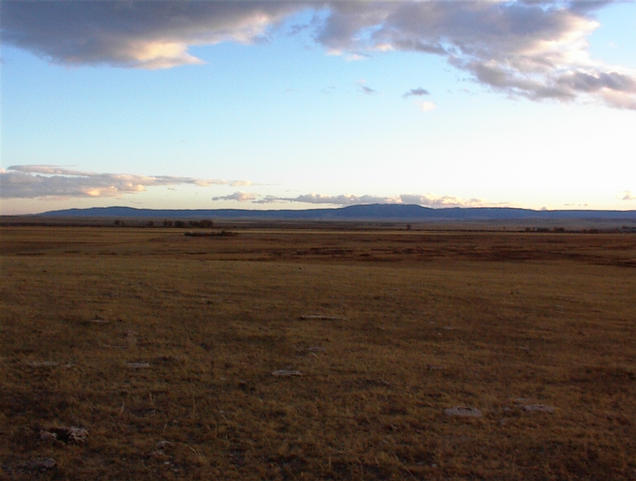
(316, 354)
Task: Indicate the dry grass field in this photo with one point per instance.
(165, 349)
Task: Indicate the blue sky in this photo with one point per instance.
(286, 105)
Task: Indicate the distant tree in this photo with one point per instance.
(179, 223)
(150, 224)
(119, 223)
(167, 223)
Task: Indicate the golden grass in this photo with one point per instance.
(414, 323)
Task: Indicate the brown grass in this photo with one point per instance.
(387, 328)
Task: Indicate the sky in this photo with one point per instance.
(293, 105)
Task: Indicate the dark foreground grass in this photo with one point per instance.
(163, 347)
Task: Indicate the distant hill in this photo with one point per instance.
(370, 212)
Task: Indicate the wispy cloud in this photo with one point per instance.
(328, 89)
(365, 89)
(344, 199)
(33, 181)
(423, 105)
(537, 49)
(628, 196)
(416, 92)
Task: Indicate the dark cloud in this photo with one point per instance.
(586, 6)
(141, 34)
(32, 181)
(591, 82)
(502, 78)
(536, 49)
(346, 20)
(416, 92)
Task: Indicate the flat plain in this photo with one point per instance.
(302, 354)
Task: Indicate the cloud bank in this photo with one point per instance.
(50, 181)
(536, 49)
(34, 181)
(343, 200)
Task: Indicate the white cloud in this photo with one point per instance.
(426, 106)
(238, 183)
(439, 201)
(33, 181)
(237, 196)
(533, 49)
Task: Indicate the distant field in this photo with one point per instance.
(627, 224)
(297, 354)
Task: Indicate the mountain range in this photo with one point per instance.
(370, 212)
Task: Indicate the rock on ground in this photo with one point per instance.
(286, 373)
(463, 411)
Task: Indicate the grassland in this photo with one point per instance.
(162, 347)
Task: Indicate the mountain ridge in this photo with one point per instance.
(411, 212)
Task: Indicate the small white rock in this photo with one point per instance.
(77, 435)
(66, 434)
(98, 320)
(163, 444)
(42, 363)
(48, 436)
(138, 365)
(542, 408)
(320, 317)
(41, 464)
(316, 349)
(463, 411)
(286, 373)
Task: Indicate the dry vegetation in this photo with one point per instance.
(162, 347)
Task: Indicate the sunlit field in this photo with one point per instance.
(291, 354)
